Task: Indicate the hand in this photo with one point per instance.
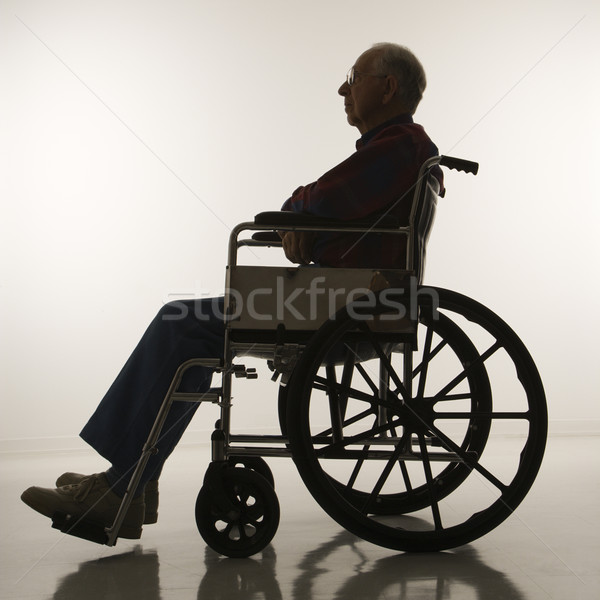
(297, 246)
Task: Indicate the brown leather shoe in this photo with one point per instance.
(91, 499)
(150, 494)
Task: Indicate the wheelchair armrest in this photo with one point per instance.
(268, 237)
(290, 219)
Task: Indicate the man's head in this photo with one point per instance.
(387, 80)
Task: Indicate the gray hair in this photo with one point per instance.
(399, 61)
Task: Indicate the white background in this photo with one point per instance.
(135, 134)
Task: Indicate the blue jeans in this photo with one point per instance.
(120, 425)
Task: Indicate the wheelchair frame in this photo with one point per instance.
(237, 511)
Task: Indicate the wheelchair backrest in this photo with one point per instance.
(422, 216)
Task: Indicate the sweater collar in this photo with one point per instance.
(398, 120)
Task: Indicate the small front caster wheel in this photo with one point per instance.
(238, 513)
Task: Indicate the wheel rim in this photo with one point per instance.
(436, 459)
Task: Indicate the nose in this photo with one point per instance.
(344, 89)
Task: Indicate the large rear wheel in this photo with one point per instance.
(423, 446)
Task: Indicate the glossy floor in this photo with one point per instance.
(549, 549)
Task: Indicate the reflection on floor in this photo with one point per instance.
(549, 549)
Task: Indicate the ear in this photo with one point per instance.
(391, 87)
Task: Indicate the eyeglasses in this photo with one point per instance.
(352, 73)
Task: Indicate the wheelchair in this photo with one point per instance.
(415, 416)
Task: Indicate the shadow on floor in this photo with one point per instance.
(459, 573)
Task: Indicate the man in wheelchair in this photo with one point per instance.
(381, 93)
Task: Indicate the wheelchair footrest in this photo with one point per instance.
(87, 530)
(210, 396)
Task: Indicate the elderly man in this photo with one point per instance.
(381, 93)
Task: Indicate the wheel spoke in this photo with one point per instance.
(432, 355)
(435, 509)
(424, 363)
(241, 527)
(401, 463)
(405, 476)
(349, 421)
(367, 379)
(347, 373)
(335, 413)
(467, 458)
(357, 467)
(386, 361)
(353, 393)
(461, 376)
(449, 397)
(349, 392)
(255, 511)
(382, 479)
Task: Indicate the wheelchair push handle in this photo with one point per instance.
(468, 166)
